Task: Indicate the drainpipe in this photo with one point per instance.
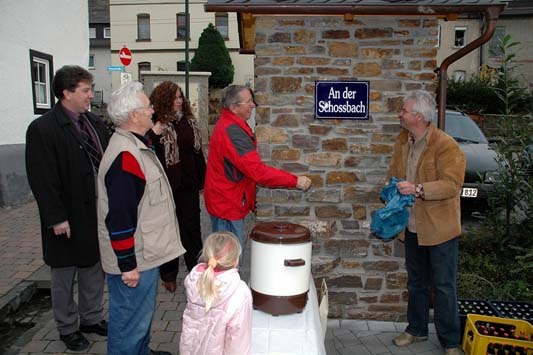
(491, 15)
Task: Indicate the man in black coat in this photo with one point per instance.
(63, 151)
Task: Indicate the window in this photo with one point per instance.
(143, 27)
(459, 75)
(460, 37)
(221, 23)
(180, 65)
(181, 26)
(41, 78)
(495, 41)
(92, 32)
(143, 66)
(91, 61)
(438, 37)
(107, 32)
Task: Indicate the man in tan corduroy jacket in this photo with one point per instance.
(432, 167)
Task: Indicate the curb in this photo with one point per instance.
(16, 297)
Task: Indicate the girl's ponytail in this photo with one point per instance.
(221, 252)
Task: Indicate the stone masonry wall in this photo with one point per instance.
(346, 160)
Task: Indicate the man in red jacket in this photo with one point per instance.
(234, 166)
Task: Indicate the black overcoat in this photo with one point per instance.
(63, 183)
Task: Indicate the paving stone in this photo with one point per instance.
(98, 347)
(381, 326)
(348, 340)
(358, 349)
(354, 324)
(55, 346)
(374, 345)
(35, 346)
(162, 336)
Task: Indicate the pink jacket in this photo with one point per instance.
(226, 329)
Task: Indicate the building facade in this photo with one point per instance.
(517, 21)
(34, 45)
(154, 31)
(100, 51)
(454, 35)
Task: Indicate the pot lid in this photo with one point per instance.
(280, 233)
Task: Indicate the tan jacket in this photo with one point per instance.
(441, 171)
(157, 237)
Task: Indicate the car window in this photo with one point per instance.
(462, 128)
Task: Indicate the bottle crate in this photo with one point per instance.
(471, 306)
(475, 343)
(514, 309)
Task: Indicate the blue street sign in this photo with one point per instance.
(115, 68)
(346, 100)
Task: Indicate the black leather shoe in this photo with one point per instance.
(153, 352)
(98, 328)
(75, 341)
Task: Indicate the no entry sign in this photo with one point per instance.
(125, 56)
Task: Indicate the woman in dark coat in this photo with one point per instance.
(179, 148)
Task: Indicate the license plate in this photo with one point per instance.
(469, 192)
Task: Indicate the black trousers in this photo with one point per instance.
(187, 203)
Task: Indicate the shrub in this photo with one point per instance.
(213, 56)
(499, 257)
(492, 91)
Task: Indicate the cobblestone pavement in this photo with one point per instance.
(22, 271)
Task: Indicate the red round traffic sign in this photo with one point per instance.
(125, 56)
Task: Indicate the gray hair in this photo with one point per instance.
(424, 103)
(123, 101)
(231, 95)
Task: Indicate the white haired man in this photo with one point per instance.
(433, 167)
(234, 166)
(137, 226)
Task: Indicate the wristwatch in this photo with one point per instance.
(419, 191)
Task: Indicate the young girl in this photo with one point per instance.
(218, 317)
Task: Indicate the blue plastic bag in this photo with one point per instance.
(390, 220)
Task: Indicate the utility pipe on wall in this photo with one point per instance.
(491, 15)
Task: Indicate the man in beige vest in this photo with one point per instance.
(137, 226)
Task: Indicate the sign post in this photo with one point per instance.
(125, 56)
(346, 100)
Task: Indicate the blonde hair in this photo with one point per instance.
(221, 252)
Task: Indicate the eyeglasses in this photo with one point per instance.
(149, 107)
(404, 111)
(246, 102)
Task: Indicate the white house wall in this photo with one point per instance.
(55, 27)
(102, 77)
(469, 63)
(520, 30)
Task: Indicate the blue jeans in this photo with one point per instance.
(426, 266)
(224, 225)
(130, 314)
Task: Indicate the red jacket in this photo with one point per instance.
(234, 167)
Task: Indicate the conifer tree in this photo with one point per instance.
(213, 56)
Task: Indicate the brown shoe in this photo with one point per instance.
(453, 351)
(405, 339)
(170, 286)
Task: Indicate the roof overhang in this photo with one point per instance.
(247, 10)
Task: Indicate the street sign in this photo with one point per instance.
(342, 100)
(125, 78)
(115, 68)
(125, 56)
